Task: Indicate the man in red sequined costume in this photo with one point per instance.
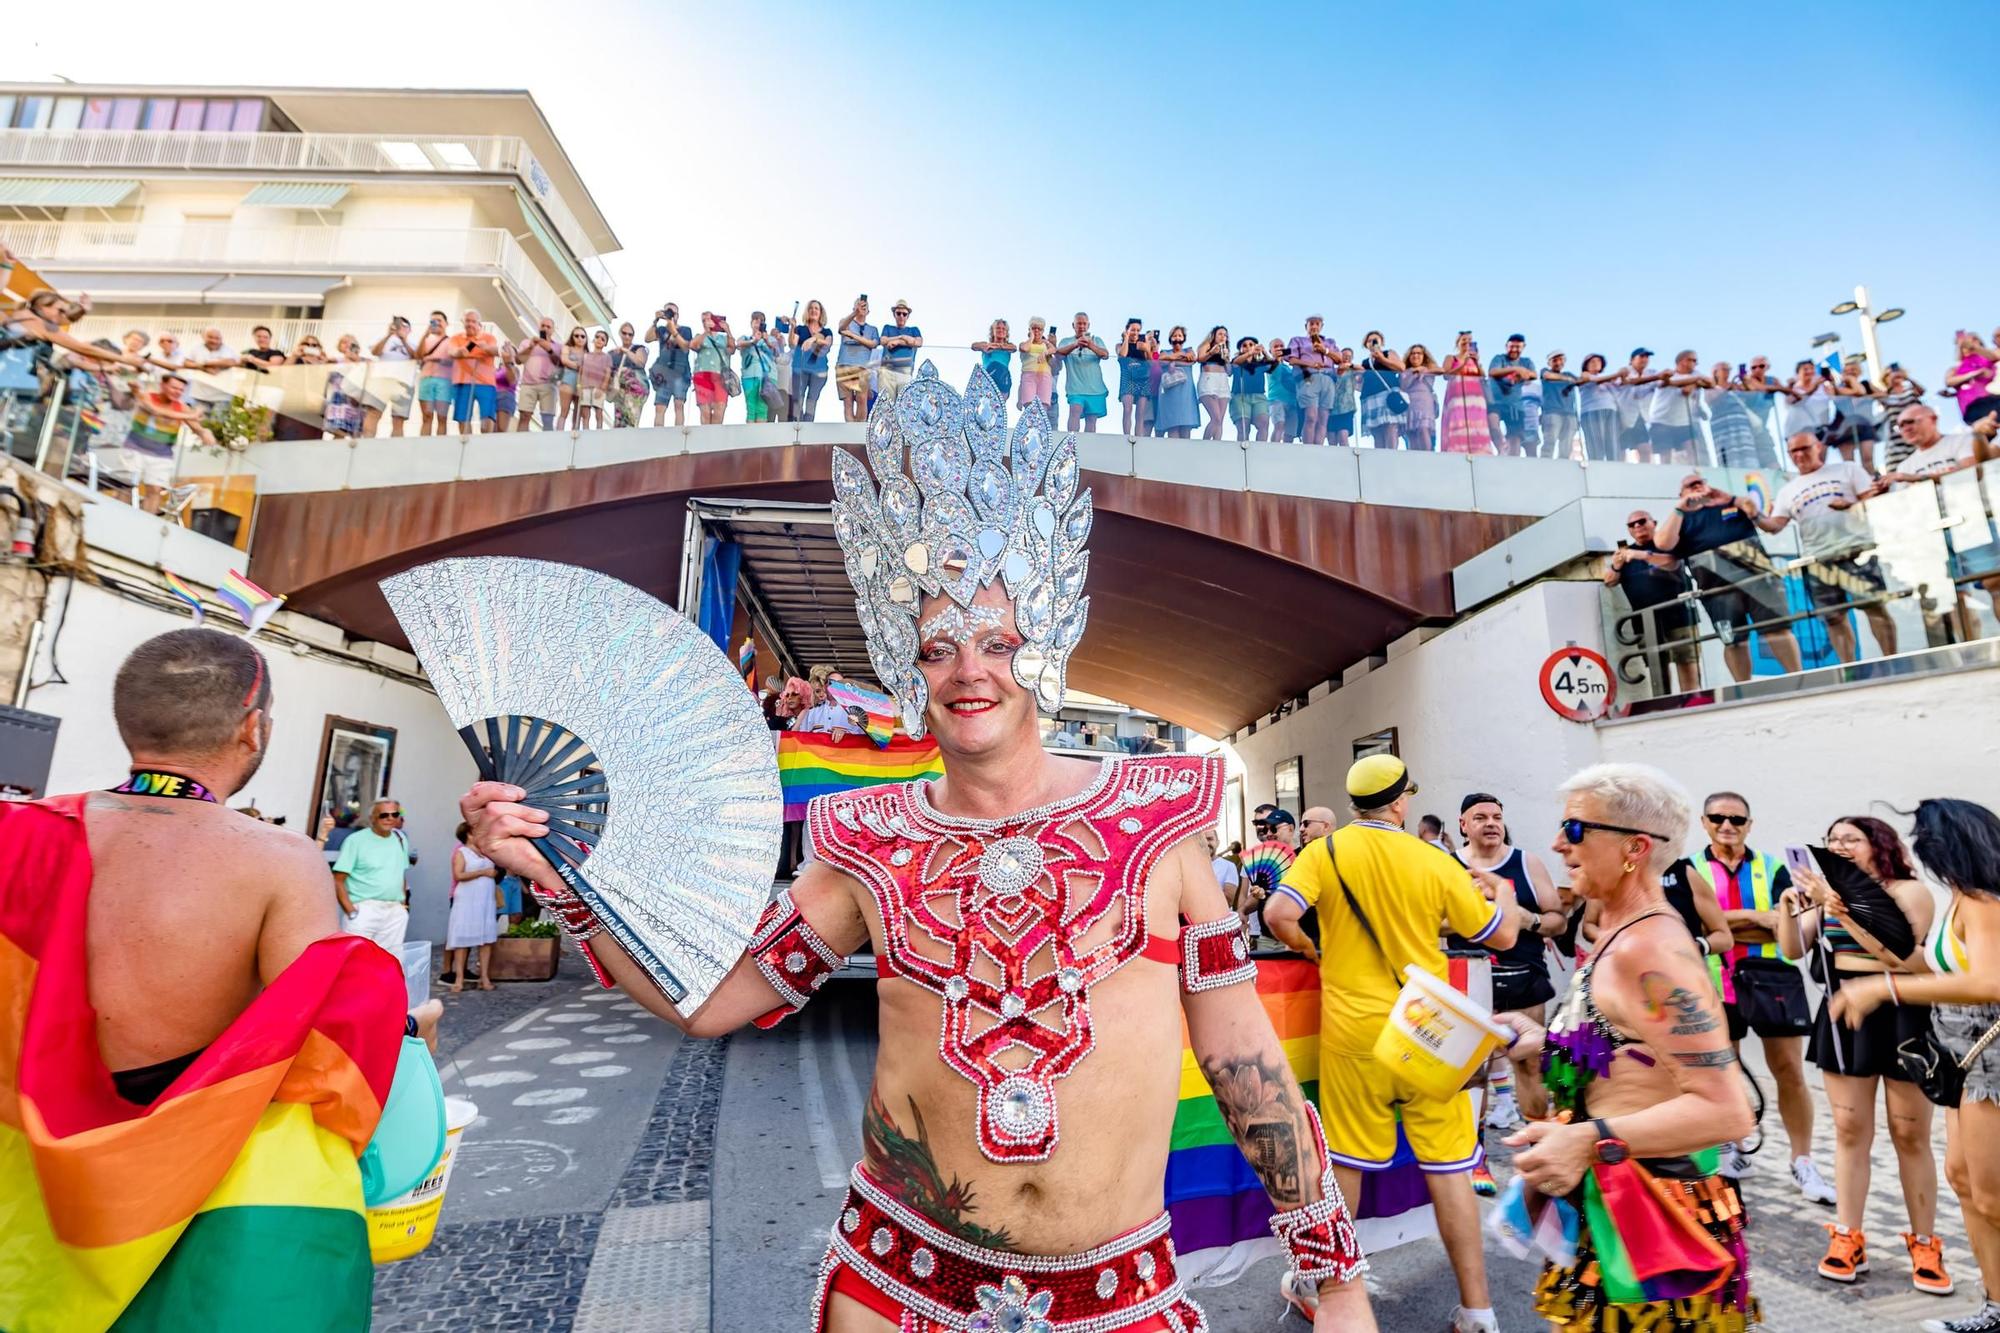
(1043, 925)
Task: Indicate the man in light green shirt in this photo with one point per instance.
(372, 878)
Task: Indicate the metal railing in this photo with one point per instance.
(115, 246)
(1920, 573)
(334, 154)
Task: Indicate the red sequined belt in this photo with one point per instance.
(932, 1280)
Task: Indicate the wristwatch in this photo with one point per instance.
(1610, 1149)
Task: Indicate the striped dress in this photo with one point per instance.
(1464, 422)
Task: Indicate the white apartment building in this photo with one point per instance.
(313, 210)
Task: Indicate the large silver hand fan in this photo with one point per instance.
(632, 730)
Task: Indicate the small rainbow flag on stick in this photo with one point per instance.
(178, 586)
(251, 603)
(812, 764)
(880, 708)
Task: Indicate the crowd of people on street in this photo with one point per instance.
(1678, 940)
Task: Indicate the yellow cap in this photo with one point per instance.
(1378, 780)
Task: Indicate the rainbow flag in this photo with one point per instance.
(812, 764)
(251, 603)
(235, 1200)
(1759, 489)
(881, 710)
(179, 587)
(1221, 1215)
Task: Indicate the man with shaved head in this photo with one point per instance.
(1654, 582)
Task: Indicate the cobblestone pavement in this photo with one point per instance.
(640, 1256)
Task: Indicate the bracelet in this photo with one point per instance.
(1894, 998)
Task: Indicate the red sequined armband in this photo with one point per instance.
(1319, 1238)
(792, 957)
(1214, 954)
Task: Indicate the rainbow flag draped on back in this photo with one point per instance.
(234, 1201)
(813, 764)
(1221, 1215)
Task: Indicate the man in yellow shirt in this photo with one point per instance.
(1383, 896)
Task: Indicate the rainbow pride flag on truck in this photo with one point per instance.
(813, 764)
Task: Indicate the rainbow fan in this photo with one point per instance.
(1266, 863)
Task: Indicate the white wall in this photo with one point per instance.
(429, 770)
(1471, 717)
(1803, 763)
(1468, 712)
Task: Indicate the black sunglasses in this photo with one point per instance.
(390, 814)
(1637, 522)
(1573, 830)
(1734, 821)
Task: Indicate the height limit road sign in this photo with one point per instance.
(1577, 683)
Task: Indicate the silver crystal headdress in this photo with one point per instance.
(979, 501)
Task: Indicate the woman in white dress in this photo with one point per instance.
(475, 901)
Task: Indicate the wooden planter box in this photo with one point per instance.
(517, 959)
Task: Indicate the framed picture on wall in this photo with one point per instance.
(1377, 742)
(1288, 783)
(355, 759)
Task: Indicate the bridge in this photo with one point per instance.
(1226, 578)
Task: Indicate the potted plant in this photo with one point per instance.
(526, 951)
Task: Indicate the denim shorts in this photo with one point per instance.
(1316, 393)
(670, 387)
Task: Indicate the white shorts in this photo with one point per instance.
(142, 469)
(385, 923)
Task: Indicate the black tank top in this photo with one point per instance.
(1680, 896)
(1528, 949)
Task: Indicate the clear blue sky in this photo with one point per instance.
(1593, 181)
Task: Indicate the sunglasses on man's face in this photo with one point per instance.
(1639, 523)
(1734, 821)
(390, 814)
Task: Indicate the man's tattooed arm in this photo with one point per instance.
(1261, 1103)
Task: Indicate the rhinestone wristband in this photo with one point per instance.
(1319, 1238)
(575, 919)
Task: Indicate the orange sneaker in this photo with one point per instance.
(1846, 1254)
(1483, 1183)
(1927, 1265)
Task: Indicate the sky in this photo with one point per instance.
(1595, 181)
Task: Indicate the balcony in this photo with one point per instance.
(153, 152)
(333, 252)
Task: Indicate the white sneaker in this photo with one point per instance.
(1986, 1319)
(1733, 1162)
(1464, 1321)
(1811, 1183)
(1505, 1113)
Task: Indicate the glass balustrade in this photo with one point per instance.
(1911, 570)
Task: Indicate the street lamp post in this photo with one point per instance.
(1870, 349)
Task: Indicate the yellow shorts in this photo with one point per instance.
(1358, 1103)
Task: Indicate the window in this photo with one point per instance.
(68, 114)
(97, 113)
(456, 155)
(187, 116)
(35, 112)
(6, 110)
(219, 115)
(159, 114)
(249, 115)
(125, 113)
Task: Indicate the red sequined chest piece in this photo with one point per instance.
(1011, 922)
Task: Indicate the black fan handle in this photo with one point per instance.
(670, 985)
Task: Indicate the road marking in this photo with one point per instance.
(551, 1096)
(604, 1071)
(579, 1057)
(525, 1019)
(538, 1044)
(843, 1068)
(498, 1078)
(831, 1174)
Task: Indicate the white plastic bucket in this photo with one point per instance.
(417, 970)
(404, 1226)
(1436, 1039)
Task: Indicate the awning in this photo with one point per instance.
(295, 194)
(581, 287)
(163, 288)
(29, 192)
(277, 289)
